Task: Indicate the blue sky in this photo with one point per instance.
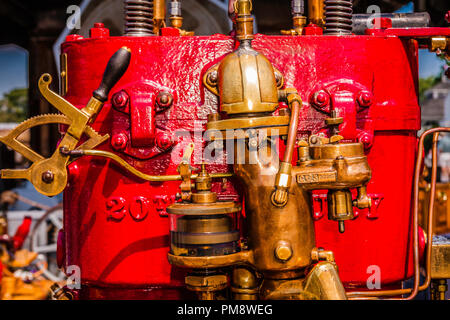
(14, 64)
(13, 68)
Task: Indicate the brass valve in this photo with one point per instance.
(244, 20)
(176, 19)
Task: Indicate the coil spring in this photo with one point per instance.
(139, 18)
(338, 16)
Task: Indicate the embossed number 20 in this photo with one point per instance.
(117, 208)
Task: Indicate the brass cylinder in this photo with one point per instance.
(268, 225)
(244, 20)
(340, 205)
(316, 12)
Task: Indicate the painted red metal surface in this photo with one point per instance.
(116, 227)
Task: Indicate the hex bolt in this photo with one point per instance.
(321, 99)
(48, 176)
(164, 99)
(120, 99)
(164, 141)
(119, 141)
(365, 98)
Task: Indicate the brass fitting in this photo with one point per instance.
(203, 185)
(363, 201)
(319, 254)
(316, 12)
(283, 181)
(59, 293)
(244, 20)
(159, 15)
(293, 96)
(244, 284)
(206, 286)
(340, 207)
(299, 22)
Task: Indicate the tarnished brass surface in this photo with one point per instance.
(244, 20)
(323, 281)
(298, 23)
(441, 221)
(221, 223)
(206, 283)
(283, 178)
(241, 257)
(268, 224)
(206, 286)
(319, 254)
(271, 122)
(203, 208)
(440, 258)
(244, 284)
(316, 12)
(159, 15)
(253, 89)
(285, 289)
(333, 166)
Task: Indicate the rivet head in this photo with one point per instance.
(119, 141)
(283, 251)
(48, 176)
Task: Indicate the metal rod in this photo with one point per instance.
(139, 174)
(363, 21)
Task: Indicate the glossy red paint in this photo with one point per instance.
(116, 227)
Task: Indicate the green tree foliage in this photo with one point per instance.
(427, 83)
(13, 106)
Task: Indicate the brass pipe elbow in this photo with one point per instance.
(284, 178)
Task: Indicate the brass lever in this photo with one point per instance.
(49, 176)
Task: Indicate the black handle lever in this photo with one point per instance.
(115, 69)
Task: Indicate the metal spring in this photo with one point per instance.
(338, 17)
(139, 18)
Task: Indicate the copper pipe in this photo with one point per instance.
(413, 292)
(292, 133)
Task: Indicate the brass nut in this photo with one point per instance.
(283, 251)
(438, 43)
(294, 97)
(210, 283)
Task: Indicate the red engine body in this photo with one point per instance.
(116, 227)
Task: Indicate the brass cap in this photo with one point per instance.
(283, 251)
(247, 82)
(244, 20)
